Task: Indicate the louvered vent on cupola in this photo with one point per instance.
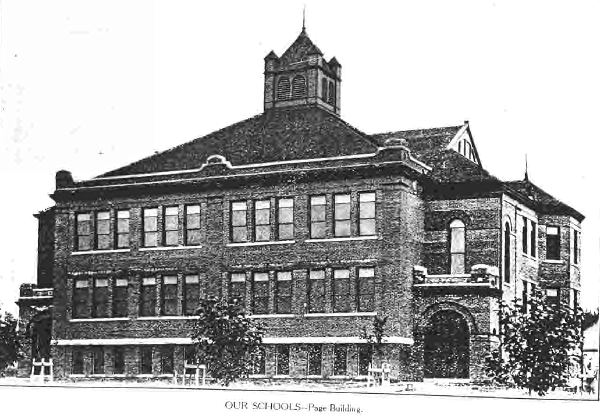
(298, 87)
(283, 88)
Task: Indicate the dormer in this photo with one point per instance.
(302, 76)
(463, 144)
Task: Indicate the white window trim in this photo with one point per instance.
(271, 316)
(343, 239)
(96, 319)
(350, 314)
(159, 248)
(99, 251)
(263, 243)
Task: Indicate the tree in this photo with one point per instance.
(226, 340)
(11, 342)
(539, 345)
(375, 339)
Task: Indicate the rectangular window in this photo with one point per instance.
(103, 230)
(575, 299)
(148, 297)
(81, 295)
(366, 289)
(239, 221)
(237, 288)
(119, 360)
(120, 297)
(318, 218)
(525, 235)
(122, 229)
(166, 360)
(552, 242)
(260, 293)
(314, 360)
(364, 359)
(262, 221)
(100, 299)
(258, 360)
(575, 247)
(342, 297)
(553, 295)
(341, 215)
(533, 239)
(84, 231)
(366, 214)
(191, 291)
(98, 360)
(282, 359)
(171, 226)
(150, 227)
(285, 219)
(77, 361)
(340, 359)
(192, 225)
(284, 292)
(189, 354)
(316, 292)
(169, 295)
(146, 360)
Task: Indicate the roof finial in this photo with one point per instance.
(526, 170)
(304, 18)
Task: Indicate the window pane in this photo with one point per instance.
(342, 211)
(172, 238)
(367, 210)
(286, 232)
(118, 360)
(152, 212)
(150, 224)
(366, 197)
(123, 241)
(193, 237)
(151, 239)
(193, 221)
(263, 233)
(84, 243)
(123, 214)
(103, 242)
(340, 360)
(317, 213)
(457, 263)
(240, 234)
(146, 360)
(103, 227)
(283, 360)
(315, 359)
(317, 230)
(457, 243)
(123, 225)
(286, 215)
(342, 228)
(367, 227)
(171, 223)
(238, 218)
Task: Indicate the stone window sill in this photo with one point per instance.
(97, 319)
(553, 261)
(270, 316)
(168, 318)
(351, 314)
(342, 239)
(159, 248)
(97, 252)
(272, 242)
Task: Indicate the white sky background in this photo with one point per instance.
(89, 86)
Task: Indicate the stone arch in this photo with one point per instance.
(447, 305)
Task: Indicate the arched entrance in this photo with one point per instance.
(446, 346)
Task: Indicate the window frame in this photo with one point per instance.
(261, 301)
(119, 233)
(260, 228)
(80, 298)
(338, 360)
(362, 218)
(77, 361)
(146, 353)
(168, 300)
(278, 220)
(151, 300)
(98, 362)
(235, 283)
(100, 298)
(102, 221)
(283, 301)
(279, 364)
(188, 298)
(118, 301)
(147, 232)
(342, 220)
(314, 307)
(525, 235)
(242, 227)
(187, 229)
(119, 352)
(555, 246)
(311, 216)
(371, 282)
(89, 235)
(314, 351)
(343, 299)
(169, 231)
(459, 227)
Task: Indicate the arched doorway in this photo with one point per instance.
(446, 346)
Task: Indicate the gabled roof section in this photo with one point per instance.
(300, 49)
(435, 147)
(293, 133)
(541, 200)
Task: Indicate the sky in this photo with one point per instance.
(90, 86)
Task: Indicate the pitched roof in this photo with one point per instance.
(300, 49)
(544, 202)
(276, 135)
(431, 147)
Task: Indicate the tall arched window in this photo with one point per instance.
(324, 88)
(457, 247)
(506, 252)
(331, 96)
(283, 88)
(298, 87)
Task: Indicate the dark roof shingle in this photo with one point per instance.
(276, 135)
